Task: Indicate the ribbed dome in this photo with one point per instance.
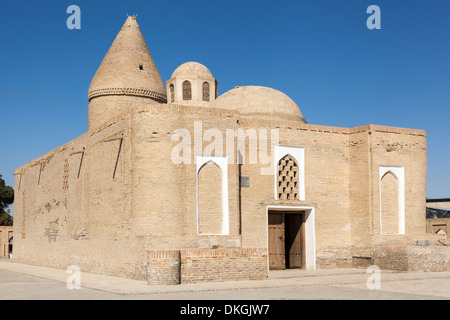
(260, 103)
(128, 68)
(192, 70)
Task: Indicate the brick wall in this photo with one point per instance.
(199, 265)
(407, 148)
(435, 225)
(125, 196)
(72, 206)
(163, 267)
(334, 257)
(413, 258)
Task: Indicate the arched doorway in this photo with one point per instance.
(291, 237)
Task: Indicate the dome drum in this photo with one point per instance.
(191, 84)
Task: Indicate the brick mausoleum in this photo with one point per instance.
(132, 198)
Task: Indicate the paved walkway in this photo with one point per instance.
(288, 284)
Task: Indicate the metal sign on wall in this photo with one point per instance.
(245, 182)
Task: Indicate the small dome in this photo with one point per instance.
(260, 103)
(192, 70)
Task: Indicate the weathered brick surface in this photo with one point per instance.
(334, 257)
(438, 225)
(413, 258)
(163, 267)
(223, 265)
(112, 206)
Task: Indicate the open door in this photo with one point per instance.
(286, 243)
(277, 251)
(294, 240)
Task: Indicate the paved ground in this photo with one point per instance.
(19, 282)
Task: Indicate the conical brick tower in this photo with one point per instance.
(126, 76)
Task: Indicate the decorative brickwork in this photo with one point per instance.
(163, 267)
(287, 181)
(223, 265)
(128, 91)
(438, 226)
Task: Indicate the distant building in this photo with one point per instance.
(441, 203)
(6, 241)
(438, 216)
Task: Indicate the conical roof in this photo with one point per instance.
(128, 68)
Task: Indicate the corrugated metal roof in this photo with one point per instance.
(437, 213)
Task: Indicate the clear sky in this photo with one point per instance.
(320, 53)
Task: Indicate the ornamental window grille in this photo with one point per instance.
(187, 90)
(205, 91)
(172, 92)
(287, 180)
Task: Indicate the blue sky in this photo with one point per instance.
(320, 53)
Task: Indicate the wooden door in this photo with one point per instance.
(294, 240)
(277, 251)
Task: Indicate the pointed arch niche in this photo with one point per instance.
(212, 196)
(289, 173)
(392, 200)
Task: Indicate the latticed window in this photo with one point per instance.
(172, 93)
(205, 91)
(287, 181)
(187, 90)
